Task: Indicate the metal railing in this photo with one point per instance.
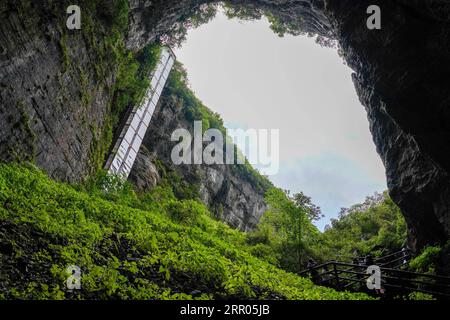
(394, 280)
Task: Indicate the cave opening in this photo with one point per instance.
(255, 79)
(390, 79)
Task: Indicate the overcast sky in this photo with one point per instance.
(255, 79)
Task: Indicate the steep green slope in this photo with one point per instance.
(154, 247)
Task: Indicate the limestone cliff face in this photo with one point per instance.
(52, 104)
(229, 195)
(401, 77)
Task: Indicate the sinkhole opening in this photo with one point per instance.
(257, 80)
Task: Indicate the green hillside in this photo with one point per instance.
(128, 247)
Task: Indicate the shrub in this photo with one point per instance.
(186, 211)
(426, 261)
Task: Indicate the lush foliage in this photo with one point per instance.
(132, 80)
(278, 24)
(204, 13)
(194, 18)
(426, 261)
(145, 250)
(286, 231)
(374, 227)
(193, 108)
(286, 236)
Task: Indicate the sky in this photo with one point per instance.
(255, 79)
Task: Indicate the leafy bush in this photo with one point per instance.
(285, 234)
(182, 189)
(197, 16)
(186, 211)
(133, 77)
(375, 227)
(110, 187)
(426, 261)
(420, 296)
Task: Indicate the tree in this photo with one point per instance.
(313, 212)
(375, 226)
(287, 228)
(197, 16)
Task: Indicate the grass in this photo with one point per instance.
(128, 247)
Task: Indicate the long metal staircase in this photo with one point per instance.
(125, 151)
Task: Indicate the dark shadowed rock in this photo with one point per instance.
(144, 175)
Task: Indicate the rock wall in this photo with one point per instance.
(52, 105)
(229, 195)
(400, 79)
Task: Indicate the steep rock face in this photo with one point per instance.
(52, 107)
(399, 77)
(145, 175)
(230, 197)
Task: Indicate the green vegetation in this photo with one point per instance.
(374, 227)
(129, 89)
(132, 80)
(426, 261)
(194, 18)
(287, 237)
(278, 24)
(128, 247)
(246, 12)
(204, 13)
(63, 47)
(182, 189)
(193, 108)
(285, 232)
(420, 296)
